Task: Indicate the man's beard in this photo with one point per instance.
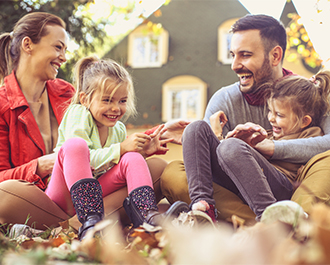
(262, 76)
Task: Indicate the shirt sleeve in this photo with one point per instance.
(302, 150)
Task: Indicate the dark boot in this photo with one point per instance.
(87, 200)
(141, 206)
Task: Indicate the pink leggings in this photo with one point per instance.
(73, 164)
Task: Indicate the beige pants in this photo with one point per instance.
(20, 199)
(314, 187)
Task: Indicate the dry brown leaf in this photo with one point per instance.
(56, 242)
(291, 252)
(321, 215)
(65, 224)
(28, 244)
(93, 247)
(237, 221)
(143, 237)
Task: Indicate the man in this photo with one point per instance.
(257, 47)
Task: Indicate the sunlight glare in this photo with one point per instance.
(267, 7)
(100, 9)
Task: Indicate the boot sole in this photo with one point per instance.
(175, 209)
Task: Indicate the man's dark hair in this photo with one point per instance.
(272, 31)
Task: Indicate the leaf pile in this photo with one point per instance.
(181, 242)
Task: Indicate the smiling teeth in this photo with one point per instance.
(243, 75)
(56, 66)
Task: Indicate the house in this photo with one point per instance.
(176, 72)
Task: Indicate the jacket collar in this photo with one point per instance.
(15, 95)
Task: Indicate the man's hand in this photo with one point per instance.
(174, 130)
(218, 120)
(249, 132)
(46, 164)
(266, 148)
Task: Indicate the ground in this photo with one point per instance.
(183, 241)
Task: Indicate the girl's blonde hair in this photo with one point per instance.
(305, 96)
(92, 73)
(32, 25)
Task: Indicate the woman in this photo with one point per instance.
(32, 104)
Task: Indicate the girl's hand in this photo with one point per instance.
(134, 143)
(174, 130)
(45, 165)
(249, 132)
(155, 144)
(218, 120)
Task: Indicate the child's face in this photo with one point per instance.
(282, 118)
(107, 110)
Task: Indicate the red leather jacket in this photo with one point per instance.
(20, 140)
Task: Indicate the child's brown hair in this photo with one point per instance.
(305, 96)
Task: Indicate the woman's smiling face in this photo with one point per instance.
(49, 53)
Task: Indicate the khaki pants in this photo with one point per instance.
(315, 182)
(20, 199)
(314, 187)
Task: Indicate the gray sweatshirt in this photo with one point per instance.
(230, 100)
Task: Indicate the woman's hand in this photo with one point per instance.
(173, 130)
(249, 132)
(45, 165)
(218, 120)
(155, 144)
(134, 143)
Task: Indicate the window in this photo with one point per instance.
(224, 38)
(146, 49)
(184, 97)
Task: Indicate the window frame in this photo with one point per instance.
(183, 83)
(224, 38)
(143, 32)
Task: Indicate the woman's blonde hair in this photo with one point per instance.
(92, 73)
(32, 25)
(305, 96)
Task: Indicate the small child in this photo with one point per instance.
(95, 158)
(296, 108)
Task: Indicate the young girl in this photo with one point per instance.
(296, 107)
(95, 158)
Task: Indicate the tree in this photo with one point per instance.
(89, 34)
(79, 27)
(299, 41)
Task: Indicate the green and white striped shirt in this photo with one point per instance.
(79, 122)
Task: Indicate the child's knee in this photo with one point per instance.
(76, 145)
(76, 142)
